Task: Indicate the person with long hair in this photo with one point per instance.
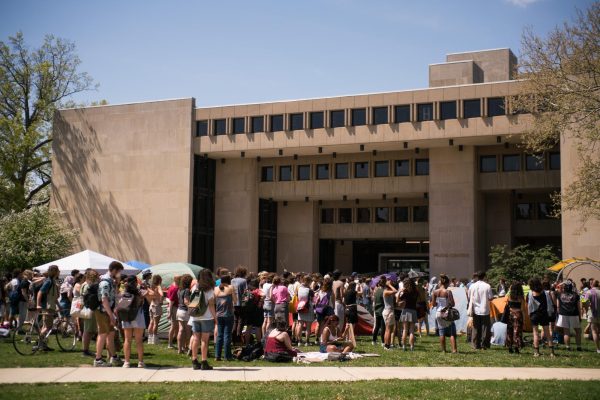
(408, 296)
(172, 306)
(441, 298)
(332, 340)
(569, 313)
(156, 295)
(540, 308)
(389, 297)
(350, 301)
(267, 286)
(280, 296)
(378, 307)
(305, 310)
(323, 304)
(183, 316)
(203, 325)
(514, 328)
(225, 298)
(134, 329)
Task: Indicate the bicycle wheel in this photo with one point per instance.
(66, 335)
(26, 340)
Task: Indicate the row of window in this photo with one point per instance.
(358, 117)
(512, 162)
(304, 172)
(367, 215)
(527, 211)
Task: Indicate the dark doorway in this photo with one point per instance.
(365, 253)
(203, 212)
(326, 256)
(267, 235)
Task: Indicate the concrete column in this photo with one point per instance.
(297, 237)
(236, 213)
(453, 213)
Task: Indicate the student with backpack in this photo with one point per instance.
(252, 311)
(131, 314)
(203, 317)
(47, 302)
(90, 327)
(323, 304)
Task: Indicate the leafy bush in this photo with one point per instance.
(33, 237)
(520, 263)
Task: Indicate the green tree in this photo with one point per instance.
(33, 84)
(520, 263)
(33, 237)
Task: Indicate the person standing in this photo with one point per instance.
(146, 283)
(569, 313)
(305, 310)
(173, 305)
(338, 299)
(408, 297)
(514, 328)
(378, 306)
(240, 284)
(480, 294)
(203, 325)
(183, 315)
(225, 297)
(105, 316)
(593, 298)
(540, 308)
(155, 295)
(89, 325)
(441, 298)
(47, 302)
(134, 329)
(388, 314)
(281, 298)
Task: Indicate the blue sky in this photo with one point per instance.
(227, 52)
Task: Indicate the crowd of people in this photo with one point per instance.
(278, 311)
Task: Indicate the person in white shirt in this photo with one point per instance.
(480, 294)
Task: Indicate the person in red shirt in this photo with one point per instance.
(172, 310)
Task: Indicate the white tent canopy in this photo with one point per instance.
(84, 260)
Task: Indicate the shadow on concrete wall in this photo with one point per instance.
(115, 231)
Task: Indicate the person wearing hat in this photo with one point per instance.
(146, 283)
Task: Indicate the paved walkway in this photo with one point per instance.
(254, 374)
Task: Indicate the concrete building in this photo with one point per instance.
(428, 178)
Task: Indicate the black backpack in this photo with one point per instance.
(91, 299)
(128, 306)
(251, 352)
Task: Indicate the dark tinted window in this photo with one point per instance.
(382, 214)
(554, 159)
(534, 162)
(545, 211)
(402, 113)
(316, 120)
(285, 173)
(400, 214)
(258, 124)
(495, 106)
(422, 166)
(345, 215)
(337, 118)
(359, 116)
(303, 172)
(267, 174)
(238, 125)
(296, 122)
(201, 128)
(487, 164)
(424, 112)
(380, 115)
(523, 211)
(420, 213)
(472, 108)
(341, 171)
(511, 162)
(219, 127)
(361, 169)
(322, 171)
(448, 110)
(382, 168)
(402, 167)
(363, 215)
(327, 215)
(276, 123)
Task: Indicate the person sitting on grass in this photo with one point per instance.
(278, 342)
(331, 340)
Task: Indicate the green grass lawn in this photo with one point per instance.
(397, 389)
(427, 353)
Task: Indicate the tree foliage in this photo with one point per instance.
(520, 263)
(33, 84)
(561, 89)
(33, 237)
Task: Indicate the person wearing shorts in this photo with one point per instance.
(204, 325)
(569, 313)
(183, 316)
(389, 318)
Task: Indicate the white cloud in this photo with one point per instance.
(522, 3)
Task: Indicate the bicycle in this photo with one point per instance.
(27, 340)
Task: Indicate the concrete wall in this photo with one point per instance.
(297, 241)
(497, 65)
(122, 176)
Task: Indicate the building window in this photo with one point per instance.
(523, 211)
(544, 211)
(258, 124)
(322, 171)
(495, 106)
(425, 112)
(267, 174)
(276, 123)
(448, 110)
(363, 215)
(337, 118)
(316, 120)
(422, 166)
(345, 215)
(420, 213)
(487, 164)
(382, 168)
(472, 108)
(327, 215)
(361, 169)
(341, 171)
(296, 122)
(380, 115)
(382, 214)
(554, 159)
(359, 116)
(201, 128)
(534, 162)
(285, 173)
(238, 125)
(402, 167)
(400, 214)
(303, 172)
(402, 114)
(220, 127)
(511, 162)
